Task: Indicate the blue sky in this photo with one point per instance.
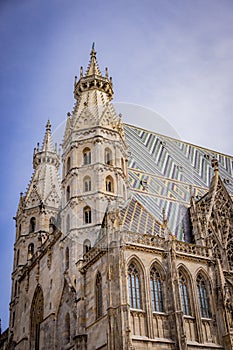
(173, 57)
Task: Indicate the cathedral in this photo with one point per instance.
(131, 247)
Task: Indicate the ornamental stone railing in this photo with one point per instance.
(119, 239)
(193, 249)
(147, 240)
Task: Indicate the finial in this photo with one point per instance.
(75, 80)
(214, 163)
(48, 125)
(93, 53)
(106, 72)
(81, 72)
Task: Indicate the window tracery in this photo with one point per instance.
(203, 297)
(134, 288)
(156, 290)
(184, 295)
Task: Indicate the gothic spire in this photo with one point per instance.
(44, 186)
(93, 93)
(93, 67)
(47, 143)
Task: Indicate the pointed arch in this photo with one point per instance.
(30, 251)
(86, 246)
(98, 295)
(87, 215)
(203, 294)
(184, 287)
(86, 156)
(52, 224)
(87, 184)
(134, 285)
(65, 308)
(32, 225)
(156, 289)
(36, 316)
(108, 156)
(109, 184)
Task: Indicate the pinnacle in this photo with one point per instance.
(48, 125)
(93, 67)
(47, 144)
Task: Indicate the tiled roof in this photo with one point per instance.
(163, 172)
(135, 218)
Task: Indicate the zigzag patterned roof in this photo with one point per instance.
(163, 172)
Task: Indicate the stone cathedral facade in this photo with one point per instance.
(132, 248)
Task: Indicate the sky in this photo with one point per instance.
(173, 59)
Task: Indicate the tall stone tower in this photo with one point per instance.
(94, 155)
(36, 221)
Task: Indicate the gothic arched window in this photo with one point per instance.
(67, 258)
(134, 287)
(52, 224)
(32, 226)
(86, 156)
(108, 156)
(98, 296)
(67, 193)
(109, 184)
(86, 184)
(37, 316)
(184, 295)
(203, 297)
(86, 246)
(87, 215)
(67, 223)
(68, 165)
(67, 328)
(30, 250)
(156, 290)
